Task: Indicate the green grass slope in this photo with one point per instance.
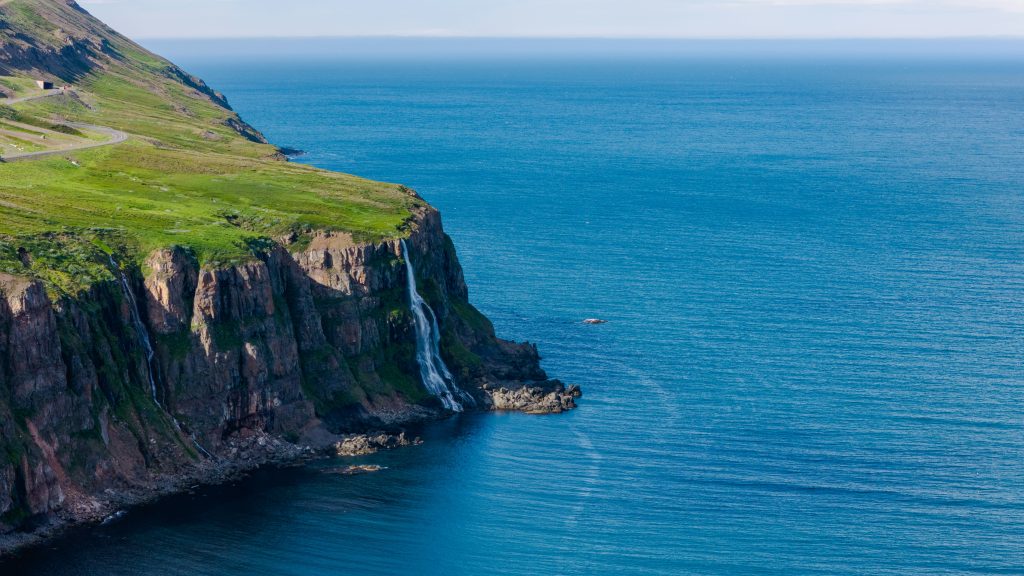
(192, 174)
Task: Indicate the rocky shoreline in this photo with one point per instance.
(247, 455)
(251, 453)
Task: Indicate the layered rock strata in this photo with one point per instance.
(256, 362)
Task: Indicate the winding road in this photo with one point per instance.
(116, 136)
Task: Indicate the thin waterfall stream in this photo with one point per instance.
(433, 371)
(147, 345)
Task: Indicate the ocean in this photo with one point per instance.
(811, 260)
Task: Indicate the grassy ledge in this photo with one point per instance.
(191, 174)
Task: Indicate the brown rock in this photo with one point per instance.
(169, 286)
(253, 360)
(365, 444)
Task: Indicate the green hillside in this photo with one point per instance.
(191, 173)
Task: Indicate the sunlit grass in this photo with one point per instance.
(185, 177)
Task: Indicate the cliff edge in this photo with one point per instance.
(188, 304)
(177, 373)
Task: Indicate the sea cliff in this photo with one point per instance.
(184, 373)
(182, 304)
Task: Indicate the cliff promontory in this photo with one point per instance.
(187, 304)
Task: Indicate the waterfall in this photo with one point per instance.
(147, 346)
(140, 329)
(433, 371)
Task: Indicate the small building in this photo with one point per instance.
(44, 85)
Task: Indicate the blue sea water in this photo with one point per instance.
(811, 259)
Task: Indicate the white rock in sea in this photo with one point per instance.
(595, 321)
(113, 517)
(360, 469)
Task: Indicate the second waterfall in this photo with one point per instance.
(147, 346)
(433, 371)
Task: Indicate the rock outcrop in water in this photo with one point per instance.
(550, 397)
(252, 363)
(366, 444)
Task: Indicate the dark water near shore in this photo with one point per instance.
(813, 269)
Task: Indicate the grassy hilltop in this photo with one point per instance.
(191, 174)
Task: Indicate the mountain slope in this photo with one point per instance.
(193, 173)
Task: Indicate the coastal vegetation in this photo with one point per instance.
(191, 174)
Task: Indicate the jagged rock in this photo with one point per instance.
(365, 444)
(549, 397)
(290, 152)
(111, 518)
(359, 469)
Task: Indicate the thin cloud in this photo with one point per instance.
(566, 18)
(974, 5)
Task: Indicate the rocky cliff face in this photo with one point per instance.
(251, 362)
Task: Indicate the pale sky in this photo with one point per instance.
(564, 18)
